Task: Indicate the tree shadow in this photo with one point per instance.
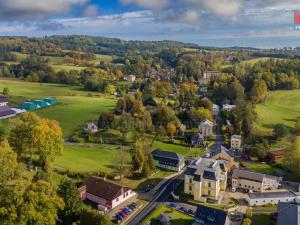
(147, 184)
(292, 120)
(182, 221)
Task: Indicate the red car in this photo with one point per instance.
(122, 214)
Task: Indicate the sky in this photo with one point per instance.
(221, 23)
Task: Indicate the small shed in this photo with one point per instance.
(276, 155)
(41, 103)
(163, 219)
(51, 101)
(29, 106)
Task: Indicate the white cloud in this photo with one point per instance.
(17, 9)
(148, 4)
(91, 11)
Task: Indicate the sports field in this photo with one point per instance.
(280, 107)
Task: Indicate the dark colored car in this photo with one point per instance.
(119, 217)
(172, 205)
(185, 210)
(132, 207)
(126, 211)
(191, 212)
(146, 190)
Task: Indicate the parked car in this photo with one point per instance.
(132, 207)
(123, 214)
(182, 209)
(119, 217)
(191, 212)
(146, 190)
(126, 211)
(173, 205)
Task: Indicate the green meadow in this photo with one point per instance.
(87, 158)
(74, 107)
(280, 107)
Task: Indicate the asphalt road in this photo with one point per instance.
(162, 196)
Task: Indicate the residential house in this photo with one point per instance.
(168, 160)
(216, 110)
(209, 76)
(209, 216)
(131, 78)
(236, 142)
(288, 213)
(5, 110)
(228, 108)
(90, 128)
(205, 178)
(254, 181)
(105, 194)
(197, 139)
(266, 198)
(206, 128)
(222, 153)
(276, 155)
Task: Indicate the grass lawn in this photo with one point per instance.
(280, 107)
(91, 158)
(261, 219)
(104, 58)
(74, 108)
(261, 168)
(87, 159)
(180, 149)
(55, 60)
(253, 61)
(67, 67)
(177, 218)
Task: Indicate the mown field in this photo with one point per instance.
(74, 107)
(180, 149)
(280, 107)
(87, 158)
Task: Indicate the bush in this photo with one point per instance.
(247, 221)
(249, 213)
(280, 130)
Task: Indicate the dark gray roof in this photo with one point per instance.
(190, 171)
(264, 195)
(209, 175)
(222, 166)
(288, 214)
(209, 216)
(170, 156)
(247, 175)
